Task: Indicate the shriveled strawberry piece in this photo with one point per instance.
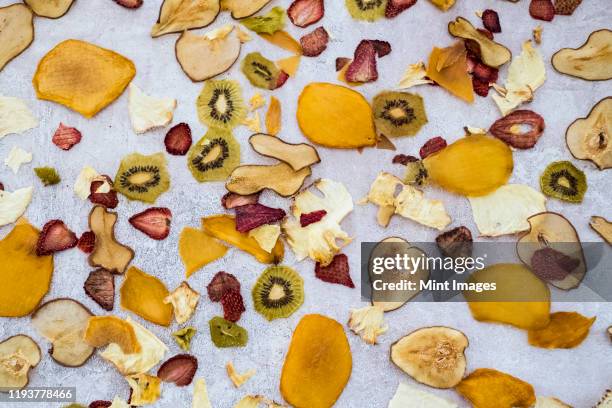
(154, 222)
(404, 159)
(314, 43)
(341, 62)
(542, 10)
(303, 13)
(254, 215)
(363, 67)
(130, 4)
(1, 187)
(100, 286)
(480, 86)
(54, 237)
(282, 78)
(311, 217)
(178, 140)
(233, 305)
(490, 20)
(179, 369)
(233, 200)
(65, 137)
(336, 272)
(485, 73)
(382, 48)
(87, 242)
(100, 404)
(222, 282)
(395, 7)
(108, 199)
(550, 264)
(566, 7)
(431, 146)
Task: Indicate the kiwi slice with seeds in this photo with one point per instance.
(214, 156)
(278, 292)
(260, 71)
(398, 113)
(142, 178)
(220, 104)
(369, 10)
(564, 181)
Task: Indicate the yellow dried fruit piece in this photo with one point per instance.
(318, 364)
(25, 276)
(565, 330)
(146, 389)
(520, 298)
(473, 166)
(223, 227)
(107, 253)
(289, 65)
(18, 354)
(191, 242)
(488, 388)
(273, 117)
(103, 330)
(283, 40)
(454, 78)
(335, 116)
(82, 76)
(443, 5)
(144, 295)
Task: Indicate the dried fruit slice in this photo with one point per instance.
(336, 272)
(148, 112)
(178, 140)
(82, 76)
(396, 7)
(564, 181)
(268, 23)
(184, 301)
(142, 178)
(17, 31)
(183, 337)
(603, 227)
(241, 8)
(129, 4)
(251, 216)
(200, 395)
(221, 283)
(592, 61)
(66, 137)
(220, 104)
(407, 395)
(521, 129)
(542, 10)
(278, 292)
(368, 322)
(179, 369)
(565, 330)
(49, 9)
(18, 354)
(233, 305)
(316, 382)
(273, 117)
(315, 42)
(303, 13)
(363, 67)
(145, 389)
(491, 53)
(63, 321)
(100, 286)
(590, 138)
(17, 157)
(179, 15)
(398, 113)
(490, 21)
(432, 356)
(144, 295)
(368, 10)
(13, 205)
(488, 388)
(55, 237)
(107, 253)
(233, 200)
(454, 77)
(227, 334)
(154, 222)
(443, 5)
(266, 236)
(260, 71)
(280, 178)
(238, 379)
(86, 242)
(16, 116)
(103, 330)
(191, 242)
(566, 7)
(298, 156)
(214, 156)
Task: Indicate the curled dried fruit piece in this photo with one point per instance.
(241, 9)
(336, 272)
(488, 388)
(452, 77)
(238, 379)
(285, 41)
(490, 20)
(363, 67)
(281, 178)
(103, 330)
(18, 354)
(178, 140)
(180, 15)
(179, 369)
(100, 286)
(298, 156)
(368, 322)
(456, 243)
(273, 117)
(233, 200)
(309, 218)
(87, 242)
(107, 253)
(268, 23)
(227, 334)
(510, 129)
(396, 7)
(432, 146)
(144, 295)
(102, 192)
(491, 53)
(315, 42)
(154, 222)
(542, 10)
(145, 389)
(47, 175)
(148, 112)
(251, 216)
(303, 13)
(55, 237)
(65, 137)
(184, 301)
(221, 283)
(590, 138)
(183, 337)
(603, 227)
(565, 330)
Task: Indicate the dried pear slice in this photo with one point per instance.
(565, 330)
(432, 356)
(335, 116)
(473, 166)
(280, 178)
(82, 76)
(191, 242)
(18, 354)
(488, 388)
(16, 31)
(49, 8)
(298, 156)
(603, 227)
(492, 54)
(590, 138)
(592, 61)
(243, 8)
(180, 15)
(520, 299)
(144, 295)
(549, 230)
(107, 253)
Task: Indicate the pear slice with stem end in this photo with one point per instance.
(18, 354)
(298, 156)
(590, 138)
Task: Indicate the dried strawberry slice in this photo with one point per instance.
(1, 187)
(480, 86)
(542, 10)
(336, 272)
(363, 67)
(550, 264)
(315, 43)
(485, 73)
(179, 369)
(395, 7)
(431, 146)
(100, 286)
(382, 48)
(280, 81)
(233, 200)
(65, 137)
(154, 222)
(222, 282)
(490, 20)
(178, 140)
(566, 7)
(311, 217)
(341, 62)
(54, 237)
(404, 159)
(456, 243)
(254, 215)
(233, 305)
(100, 404)
(109, 199)
(303, 13)
(130, 4)
(87, 241)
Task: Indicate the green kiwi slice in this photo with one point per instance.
(214, 156)
(278, 292)
(398, 113)
(260, 71)
(564, 181)
(369, 10)
(220, 104)
(227, 334)
(142, 178)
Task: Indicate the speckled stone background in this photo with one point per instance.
(577, 376)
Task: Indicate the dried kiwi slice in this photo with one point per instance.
(564, 181)
(142, 178)
(260, 71)
(369, 10)
(214, 156)
(227, 334)
(278, 292)
(220, 104)
(398, 113)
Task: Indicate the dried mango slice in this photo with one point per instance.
(488, 388)
(103, 330)
(82, 76)
(273, 117)
(318, 364)
(289, 65)
(25, 276)
(191, 242)
(454, 78)
(565, 330)
(16, 31)
(283, 40)
(144, 295)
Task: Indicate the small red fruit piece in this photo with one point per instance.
(314, 43)
(311, 217)
(130, 4)
(550, 264)
(233, 200)
(109, 199)
(363, 67)
(382, 48)
(222, 282)
(341, 62)
(303, 13)
(178, 140)
(1, 187)
(54, 237)
(179, 369)
(490, 21)
(280, 81)
(254, 215)
(566, 7)
(395, 7)
(336, 272)
(431, 146)
(154, 222)
(480, 87)
(100, 286)
(542, 10)
(404, 159)
(485, 73)
(65, 137)
(233, 305)
(87, 241)
(100, 404)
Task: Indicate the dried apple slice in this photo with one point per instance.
(144, 295)
(103, 330)
(603, 227)
(590, 138)
(491, 53)
(298, 156)
(180, 15)
(488, 388)
(280, 178)
(49, 8)
(18, 354)
(552, 249)
(191, 242)
(243, 8)
(107, 253)
(591, 61)
(16, 31)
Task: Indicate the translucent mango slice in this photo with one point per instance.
(25, 276)
(103, 330)
(318, 364)
(488, 388)
(144, 295)
(565, 330)
(454, 78)
(473, 166)
(197, 248)
(82, 76)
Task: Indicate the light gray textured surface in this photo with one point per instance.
(578, 376)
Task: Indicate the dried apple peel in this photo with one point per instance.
(107, 253)
(144, 295)
(280, 178)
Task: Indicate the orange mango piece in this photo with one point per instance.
(454, 78)
(488, 388)
(197, 248)
(144, 295)
(565, 330)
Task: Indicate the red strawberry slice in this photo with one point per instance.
(100, 286)
(87, 242)
(222, 282)
(252, 216)
(233, 200)
(314, 43)
(336, 272)
(490, 21)
(154, 222)
(54, 237)
(404, 159)
(311, 217)
(431, 146)
(280, 81)
(100, 404)
(485, 73)
(233, 305)
(363, 67)
(178, 140)
(382, 47)
(303, 13)
(395, 7)
(179, 369)
(130, 4)
(65, 137)
(341, 62)
(109, 199)
(542, 10)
